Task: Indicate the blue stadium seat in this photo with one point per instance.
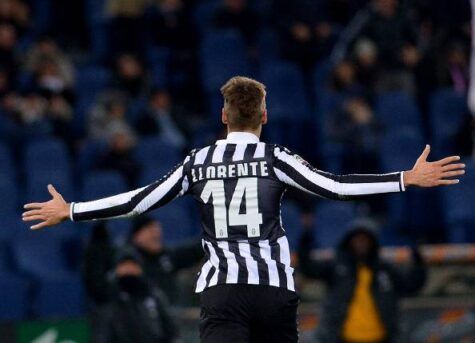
(459, 201)
(89, 154)
(398, 109)
(177, 222)
(95, 10)
(158, 59)
(8, 196)
(223, 55)
(101, 184)
(448, 114)
(14, 292)
(332, 221)
(286, 95)
(6, 162)
(156, 157)
(11, 226)
(45, 162)
(39, 153)
(91, 80)
(400, 149)
(59, 298)
(203, 15)
(292, 223)
(320, 78)
(40, 255)
(268, 45)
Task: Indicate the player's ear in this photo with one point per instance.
(264, 117)
(224, 117)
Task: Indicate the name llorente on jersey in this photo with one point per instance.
(246, 169)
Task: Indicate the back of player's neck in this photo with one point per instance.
(256, 133)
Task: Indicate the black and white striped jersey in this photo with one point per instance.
(238, 184)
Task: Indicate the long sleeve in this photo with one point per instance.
(135, 202)
(292, 170)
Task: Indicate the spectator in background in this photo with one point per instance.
(108, 113)
(60, 115)
(170, 25)
(162, 118)
(354, 126)
(8, 58)
(454, 69)
(128, 309)
(15, 13)
(5, 86)
(394, 35)
(306, 33)
(161, 263)
(363, 290)
(52, 66)
(236, 14)
(367, 68)
(119, 154)
(126, 25)
(130, 76)
(343, 79)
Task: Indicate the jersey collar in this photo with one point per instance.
(239, 138)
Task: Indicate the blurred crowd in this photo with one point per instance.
(117, 71)
(353, 85)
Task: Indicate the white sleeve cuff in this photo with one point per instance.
(71, 211)
(401, 182)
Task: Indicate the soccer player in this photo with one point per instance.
(246, 284)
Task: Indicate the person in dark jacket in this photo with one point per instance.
(364, 290)
(160, 264)
(136, 312)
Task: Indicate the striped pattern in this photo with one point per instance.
(236, 258)
(295, 172)
(257, 263)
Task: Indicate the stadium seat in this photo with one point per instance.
(223, 55)
(89, 153)
(332, 221)
(291, 223)
(448, 114)
(6, 162)
(59, 297)
(14, 292)
(203, 15)
(101, 184)
(158, 59)
(400, 149)
(397, 110)
(177, 222)
(8, 196)
(11, 227)
(91, 80)
(268, 45)
(156, 158)
(286, 96)
(45, 162)
(459, 201)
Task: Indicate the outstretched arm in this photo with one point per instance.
(128, 204)
(294, 171)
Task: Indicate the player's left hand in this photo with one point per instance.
(49, 213)
(433, 174)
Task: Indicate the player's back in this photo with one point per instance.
(239, 199)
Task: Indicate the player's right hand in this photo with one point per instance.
(49, 213)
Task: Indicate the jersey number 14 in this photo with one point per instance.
(252, 219)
